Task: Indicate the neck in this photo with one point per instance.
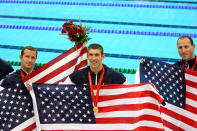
(191, 58)
(27, 70)
(96, 70)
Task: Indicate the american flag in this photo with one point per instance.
(15, 108)
(54, 71)
(121, 107)
(178, 88)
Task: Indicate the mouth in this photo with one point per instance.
(94, 63)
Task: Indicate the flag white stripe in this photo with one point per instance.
(190, 77)
(127, 113)
(191, 89)
(167, 129)
(127, 101)
(24, 124)
(191, 102)
(100, 126)
(35, 109)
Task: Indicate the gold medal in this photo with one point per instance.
(96, 110)
(95, 98)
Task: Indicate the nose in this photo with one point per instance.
(93, 57)
(183, 50)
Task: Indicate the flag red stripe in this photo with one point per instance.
(81, 64)
(127, 107)
(129, 120)
(191, 84)
(172, 126)
(30, 127)
(52, 62)
(190, 72)
(191, 108)
(179, 117)
(191, 96)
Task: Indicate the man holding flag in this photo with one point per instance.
(97, 71)
(178, 88)
(28, 58)
(16, 105)
(186, 49)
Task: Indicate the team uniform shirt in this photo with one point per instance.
(110, 77)
(191, 64)
(13, 79)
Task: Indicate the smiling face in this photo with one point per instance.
(28, 60)
(186, 49)
(95, 58)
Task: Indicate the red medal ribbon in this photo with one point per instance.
(22, 74)
(193, 65)
(95, 100)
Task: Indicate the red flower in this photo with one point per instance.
(72, 31)
(73, 38)
(63, 31)
(71, 22)
(65, 25)
(80, 31)
(79, 27)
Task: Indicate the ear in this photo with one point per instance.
(20, 57)
(103, 56)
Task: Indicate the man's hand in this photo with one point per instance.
(28, 86)
(142, 61)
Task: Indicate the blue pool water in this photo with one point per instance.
(124, 28)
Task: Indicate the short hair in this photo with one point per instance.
(96, 46)
(29, 48)
(186, 36)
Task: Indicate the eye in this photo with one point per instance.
(186, 46)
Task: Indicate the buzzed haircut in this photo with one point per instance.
(186, 36)
(96, 46)
(29, 48)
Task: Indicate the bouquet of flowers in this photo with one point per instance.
(76, 33)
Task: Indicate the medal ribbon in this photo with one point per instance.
(22, 74)
(193, 65)
(95, 100)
